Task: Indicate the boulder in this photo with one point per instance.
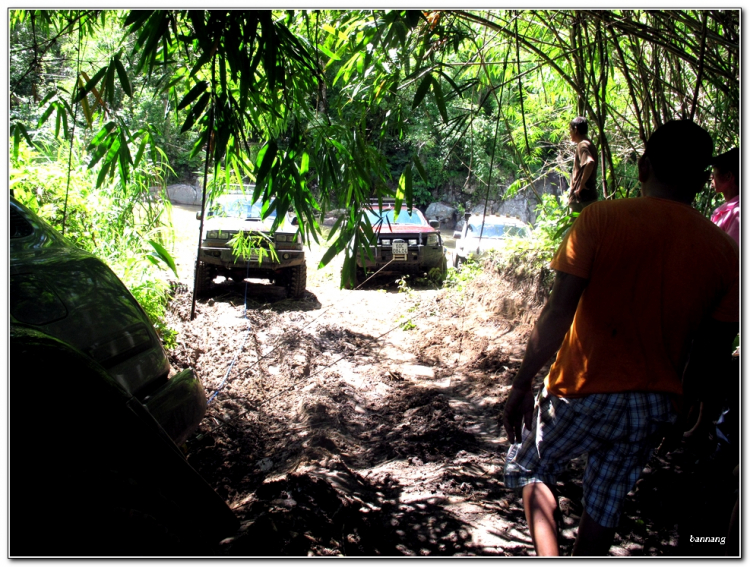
(184, 194)
(446, 214)
(332, 216)
(492, 208)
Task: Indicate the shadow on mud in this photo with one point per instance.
(313, 502)
(339, 512)
(260, 295)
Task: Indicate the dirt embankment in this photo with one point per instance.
(364, 422)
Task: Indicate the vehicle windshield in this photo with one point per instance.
(495, 231)
(237, 206)
(388, 217)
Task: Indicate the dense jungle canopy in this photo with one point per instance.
(326, 109)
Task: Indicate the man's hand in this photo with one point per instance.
(518, 409)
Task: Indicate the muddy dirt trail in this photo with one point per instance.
(364, 422)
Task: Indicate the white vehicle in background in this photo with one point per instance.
(477, 237)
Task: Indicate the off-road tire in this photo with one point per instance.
(296, 281)
(457, 261)
(203, 279)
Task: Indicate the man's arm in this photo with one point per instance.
(546, 338)
(585, 174)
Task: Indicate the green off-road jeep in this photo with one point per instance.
(278, 256)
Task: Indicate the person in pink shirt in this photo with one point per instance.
(726, 180)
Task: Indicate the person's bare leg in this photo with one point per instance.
(540, 504)
(592, 539)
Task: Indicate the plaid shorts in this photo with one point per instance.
(617, 431)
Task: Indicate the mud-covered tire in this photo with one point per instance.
(203, 279)
(296, 281)
(455, 259)
(360, 276)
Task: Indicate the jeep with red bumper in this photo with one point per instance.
(408, 244)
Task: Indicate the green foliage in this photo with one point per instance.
(458, 278)
(254, 244)
(436, 276)
(127, 230)
(329, 108)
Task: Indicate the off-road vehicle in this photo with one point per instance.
(407, 245)
(474, 239)
(278, 257)
(72, 295)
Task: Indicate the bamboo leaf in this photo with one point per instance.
(46, 99)
(412, 18)
(404, 191)
(336, 225)
(269, 52)
(100, 135)
(269, 154)
(421, 91)
(199, 143)
(99, 152)
(25, 134)
(193, 94)
(452, 83)
(123, 76)
(196, 112)
(141, 149)
(338, 245)
(164, 256)
(16, 139)
(114, 149)
(90, 84)
(420, 168)
(438, 92)
(63, 115)
(102, 174)
(109, 84)
(45, 115)
(136, 19)
(87, 111)
(202, 60)
(124, 150)
(329, 53)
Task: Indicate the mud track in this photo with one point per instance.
(364, 422)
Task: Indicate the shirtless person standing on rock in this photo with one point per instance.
(638, 281)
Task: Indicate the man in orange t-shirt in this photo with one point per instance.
(642, 285)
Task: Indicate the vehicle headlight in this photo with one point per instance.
(220, 234)
(33, 301)
(385, 242)
(413, 242)
(284, 238)
(432, 240)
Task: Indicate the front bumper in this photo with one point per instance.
(225, 258)
(417, 260)
(179, 405)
